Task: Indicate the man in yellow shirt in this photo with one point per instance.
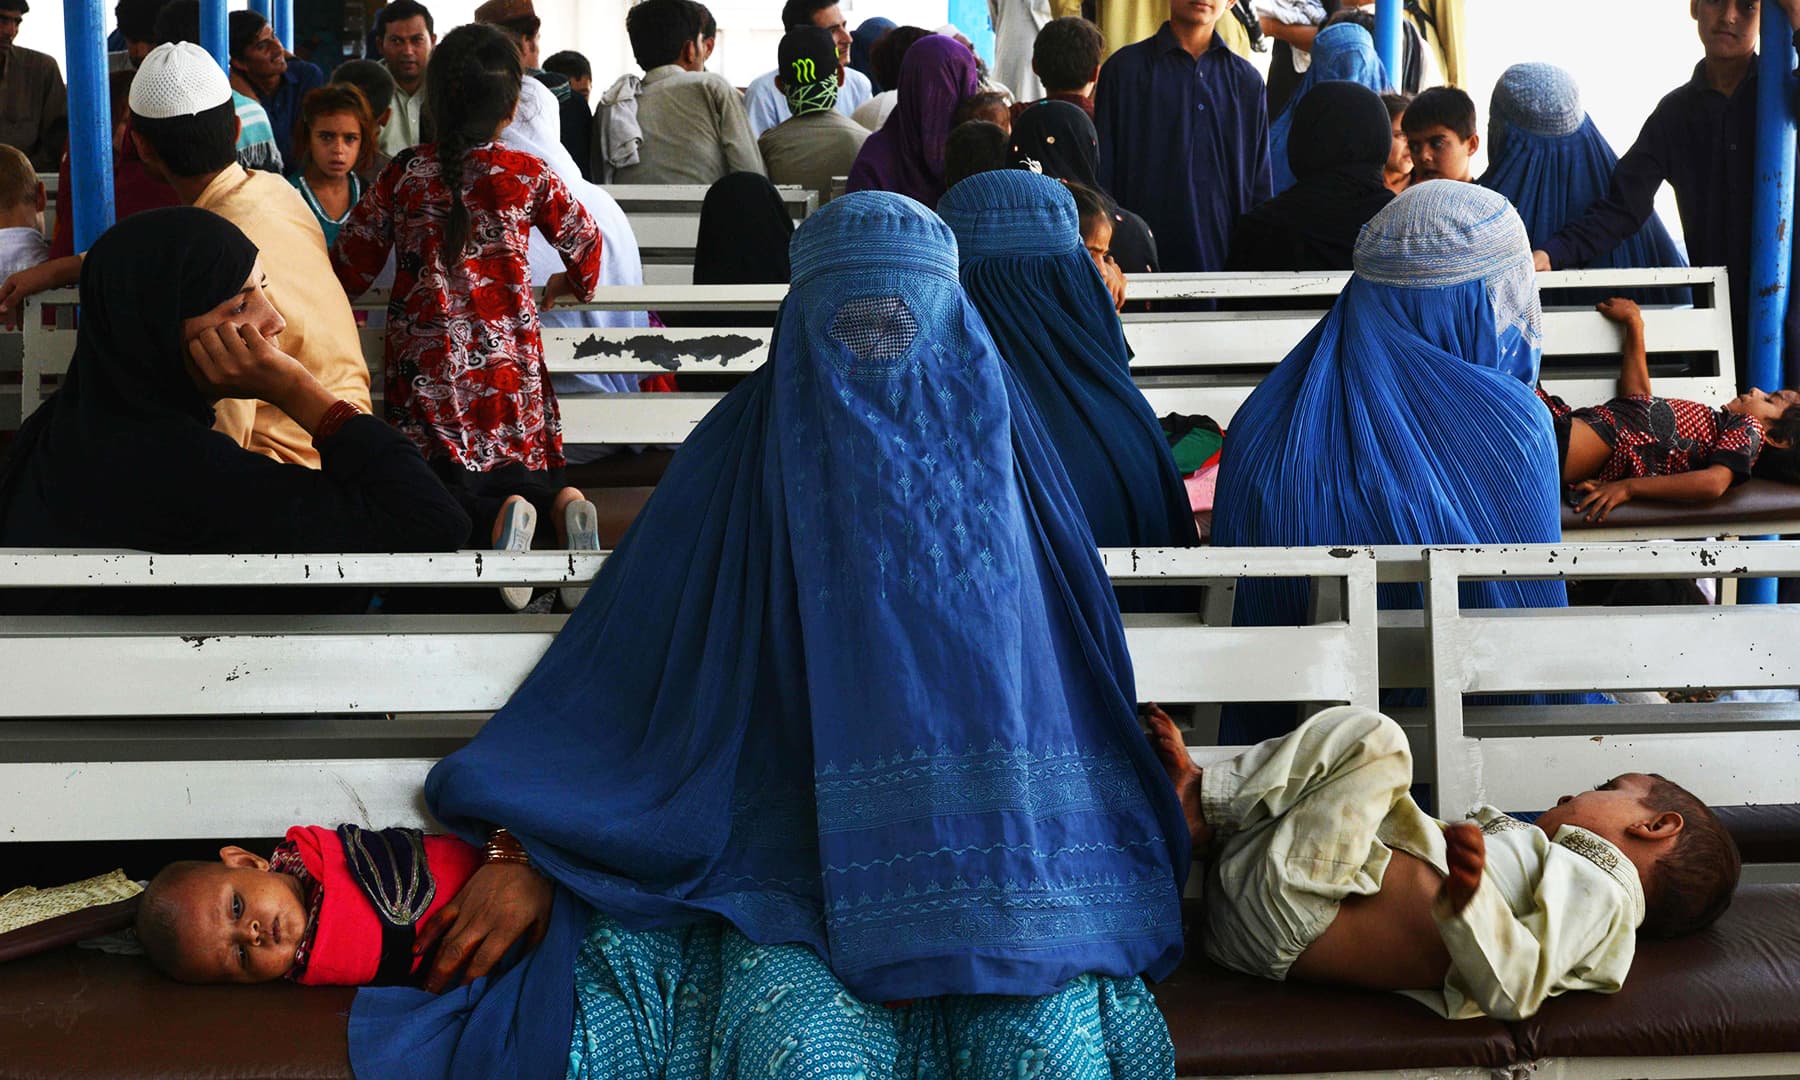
(185, 128)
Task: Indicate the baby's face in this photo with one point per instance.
(1605, 811)
(240, 924)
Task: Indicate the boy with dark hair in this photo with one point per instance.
(573, 66)
(679, 123)
(179, 21)
(1066, 58)
(405, 34)
(987, 105)
(260, 67)
(1440, 135)
(1323, 868)
(765, 103)
(817, 142)
(975, 146)
(377, 88)
(1701, 139)
(137, 25)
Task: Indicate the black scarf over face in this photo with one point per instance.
(1338, 148)
(127, 417)
(744, 233)
(1059, 138)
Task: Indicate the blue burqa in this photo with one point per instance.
(855, 680)
(1341, 53)
(1052, 318)
(1546, 155)
(1406, 417)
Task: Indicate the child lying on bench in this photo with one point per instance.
(1323, 868)
(329, 908)
(1637, 446)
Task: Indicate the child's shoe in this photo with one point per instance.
(581, 522)
(518, 523)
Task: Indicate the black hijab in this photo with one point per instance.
(126, 416)
(744, 233)
(1058, 139)
(1338, 147)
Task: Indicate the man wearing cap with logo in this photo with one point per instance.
(817, 142)
(766, 103)
(185, 127)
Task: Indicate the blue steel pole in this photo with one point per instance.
(1390, 38)
(284, 23)
(90, 118)
(213, 35)
(1771, 225)
(263, 8)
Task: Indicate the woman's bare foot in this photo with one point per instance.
(1171, 749)
(1465, 852)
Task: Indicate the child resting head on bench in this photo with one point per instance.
(1322, 867)
(329, 908)
(1637, 446)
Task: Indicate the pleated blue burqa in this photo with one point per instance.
(1406, 416)
(854, 680)
(1025, 269)
(1341, 53)
(1546, 155)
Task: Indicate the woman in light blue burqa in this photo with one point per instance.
(1406, 417)
(836, 769)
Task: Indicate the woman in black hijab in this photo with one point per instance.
(744, 233)
(123, 455)
(1057, 139)
(1338, 148)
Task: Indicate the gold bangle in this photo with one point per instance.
(503, 846)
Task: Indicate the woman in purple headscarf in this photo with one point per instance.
(907, 154)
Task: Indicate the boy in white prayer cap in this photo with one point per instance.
(1323, 868)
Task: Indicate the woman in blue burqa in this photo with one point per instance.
(1405, 417)
(1546, 155)
(1052, 319)
(1343, 52)
(836, 771)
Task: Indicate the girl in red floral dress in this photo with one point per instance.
(466, 378)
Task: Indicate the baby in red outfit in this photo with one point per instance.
(329, 908)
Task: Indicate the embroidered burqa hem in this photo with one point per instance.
(1406, 417)
(854, 681)
(706, 1003)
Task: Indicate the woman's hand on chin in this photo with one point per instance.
(500, 904)
(234, 360)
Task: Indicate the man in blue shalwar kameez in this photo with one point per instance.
(1184, 135)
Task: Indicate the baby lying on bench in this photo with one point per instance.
(1323, 868)
(1638, 446)
(328, 908)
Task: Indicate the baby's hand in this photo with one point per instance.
(1620, 310)
(1465, 852)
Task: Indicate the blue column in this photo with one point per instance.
(213, 35)
(283, 20)
(265, 8)
(90, 118)
(1771, 224)
(1390, 39)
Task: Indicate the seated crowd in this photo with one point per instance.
(933, 839)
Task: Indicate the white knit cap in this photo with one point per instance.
(178, 79)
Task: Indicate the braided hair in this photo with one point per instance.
(471, 88)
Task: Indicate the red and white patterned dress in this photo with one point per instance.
(464, 357)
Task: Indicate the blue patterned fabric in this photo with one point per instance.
(704, 1002)
(1546, 155)
(855, 679)
(1346, 53)
(1026, 271)
(1406, 417)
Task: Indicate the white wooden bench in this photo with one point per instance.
(133, 727)
(666, 221)
(1524, 758)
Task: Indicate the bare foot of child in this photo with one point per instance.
(1465, 852)
(1171, 749)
